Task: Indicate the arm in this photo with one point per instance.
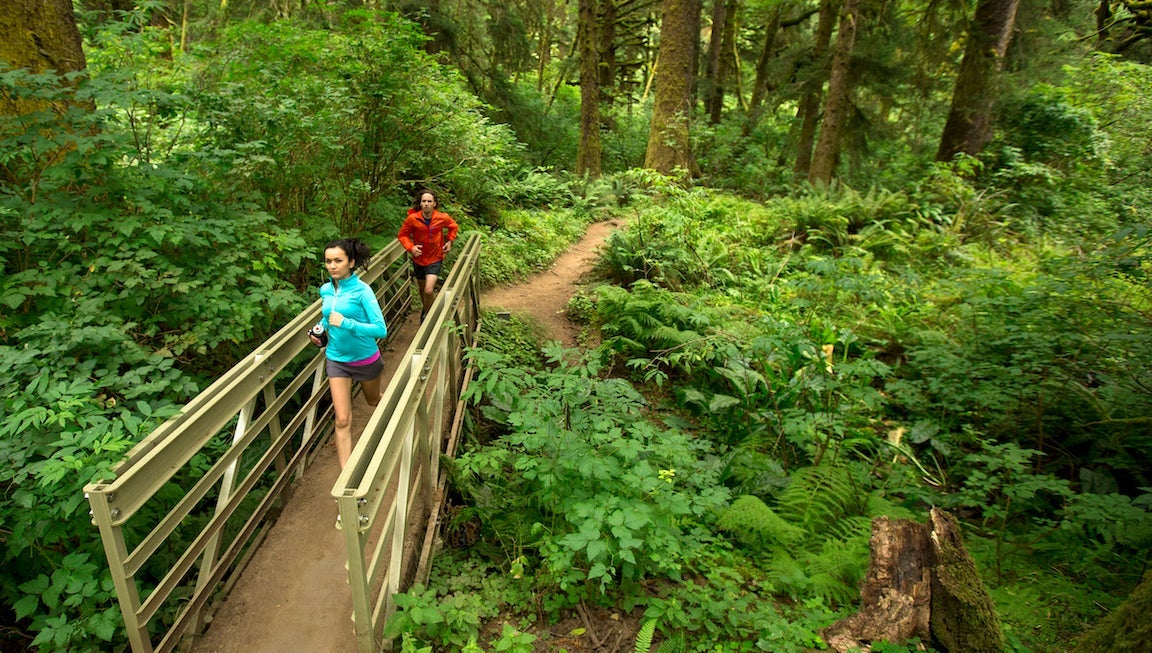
(452, 228)
(375, 325)
(405, 235)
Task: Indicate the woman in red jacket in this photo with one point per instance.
(427, 234)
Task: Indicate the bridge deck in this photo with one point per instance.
(293, 595)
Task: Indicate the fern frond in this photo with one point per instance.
(851, 527)
(675, 644)
(755, 525)
(644, 636)
(819, 496)
(837, 570)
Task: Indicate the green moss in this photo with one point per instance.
(963, 614)
(1128, 628)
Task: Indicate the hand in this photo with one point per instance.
(417, 250)
(447, 246)
(335, 319)
(314, 339)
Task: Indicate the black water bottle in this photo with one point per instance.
(320, 334)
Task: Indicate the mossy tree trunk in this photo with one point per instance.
(839, 93)
(969, 124)
(1127, 629)
(963, 615)
(588, 149)
(668, 145)
(814, 74)
(40, 35)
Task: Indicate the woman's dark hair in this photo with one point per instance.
(357, 251)
(422, 193)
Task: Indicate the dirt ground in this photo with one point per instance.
(294, 595)
(545, 296)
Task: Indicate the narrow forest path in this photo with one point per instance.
(294, 594)
(545, 295)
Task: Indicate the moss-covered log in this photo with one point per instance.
(1128, 629)
(963, 614)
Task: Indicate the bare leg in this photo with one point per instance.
(428, 291)
(342, 407)
(371, 391)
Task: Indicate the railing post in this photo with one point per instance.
(117, 553)
(310, 421)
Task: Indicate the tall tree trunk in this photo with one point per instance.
(668, 144)
(39, 35)
(728, 66)
(969, 124)
(588, 151)
(839, 89)
(715, 47)
(760, 87)
(814, 76)
(607, 48)
(544, 42)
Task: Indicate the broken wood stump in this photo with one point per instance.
(921, 583)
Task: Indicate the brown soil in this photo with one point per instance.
(545, 296)
(294, 595)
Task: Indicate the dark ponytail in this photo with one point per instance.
(356, 250)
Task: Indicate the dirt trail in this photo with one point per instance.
(545, 295)
(294, 594)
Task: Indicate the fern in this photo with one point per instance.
(851, 527)
(755, 525)
(675, 644)
(820, 496)
(837, 570)
(644, 636)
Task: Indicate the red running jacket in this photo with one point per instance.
(430, 237)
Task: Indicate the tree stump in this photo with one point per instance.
(921, 583)
(896, 594)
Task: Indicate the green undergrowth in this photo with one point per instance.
(772, 377)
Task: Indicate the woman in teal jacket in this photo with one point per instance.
(353, 321)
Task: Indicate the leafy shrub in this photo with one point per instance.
(126, 278)
(606, 498)
(335, 121)
(527, 242)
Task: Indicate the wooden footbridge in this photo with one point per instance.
(242, 468)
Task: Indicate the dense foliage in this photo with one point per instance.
(774, 364)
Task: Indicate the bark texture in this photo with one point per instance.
(726, 63)
(897, 593)
(921, 583)
(838, 104)
(588, 150)
(668, 144)
(963, 615)
(40, 35)
(969, 124)
(760, 86)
